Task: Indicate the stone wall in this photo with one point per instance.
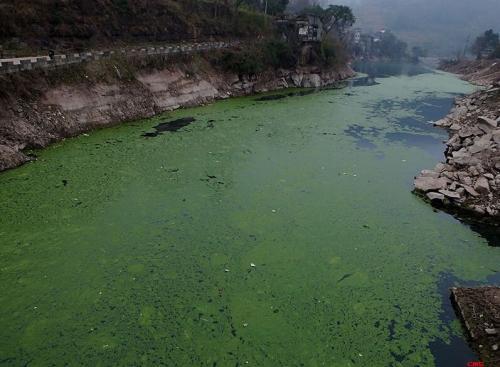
(44, 62)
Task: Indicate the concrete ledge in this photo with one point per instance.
(479, 309)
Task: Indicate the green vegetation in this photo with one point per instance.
(391, 47)
(272, 7)
(254, 59)
(31, 26)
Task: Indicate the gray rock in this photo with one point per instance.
(454, 141)
(429, 173)
(481, 144)
(470, 190)
(465, 132)
(496, 136)
(491, 211)
(450, 194)
(443, 122)
(479, 209)
(450, 175)
(427, 184)
(482, 186)
(487, 120)
(435, 197)
(473, 171)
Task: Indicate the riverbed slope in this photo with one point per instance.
(38, 108)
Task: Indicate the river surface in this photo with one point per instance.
(262, 233)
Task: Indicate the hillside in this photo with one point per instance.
(82, 24)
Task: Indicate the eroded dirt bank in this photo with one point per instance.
(469, 178)
(39, 108)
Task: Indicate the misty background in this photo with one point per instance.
(442, 27)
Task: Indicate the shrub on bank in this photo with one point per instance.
(253, 59)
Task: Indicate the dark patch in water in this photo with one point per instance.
(363, 82)
(271, 97)
(274, 97)
(428, 143)
(388, 69)
(458, 352)
(427, 109)
(487, 231)
(345, 277)
(392, 329)
(361, 134)
(171, 126)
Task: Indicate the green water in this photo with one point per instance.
(142, 255)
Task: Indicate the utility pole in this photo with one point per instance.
(265, 8)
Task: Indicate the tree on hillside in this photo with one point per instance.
(486, 44)
(335, 17)
(272, 7)
(392, 47)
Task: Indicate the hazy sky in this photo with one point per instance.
(442, 26)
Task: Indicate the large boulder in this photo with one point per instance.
(426, 184)
(486, 120)
(482, 186)
(311, 81)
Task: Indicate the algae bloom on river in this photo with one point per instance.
(278, 232)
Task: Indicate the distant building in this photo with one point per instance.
(300, 29)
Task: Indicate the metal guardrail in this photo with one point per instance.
(44, 62)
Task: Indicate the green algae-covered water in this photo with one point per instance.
(264, 233)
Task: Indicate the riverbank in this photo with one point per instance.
(40, 107)
(468, 181)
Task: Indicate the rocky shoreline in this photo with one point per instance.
(469, 180)
(36, 112)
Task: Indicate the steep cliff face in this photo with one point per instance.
(35, 116)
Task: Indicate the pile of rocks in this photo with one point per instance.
(470, 177)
